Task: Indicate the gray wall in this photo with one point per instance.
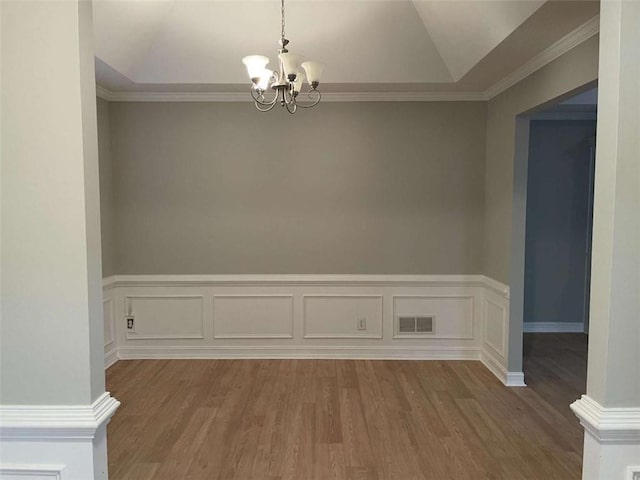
(345, 188)
(506, 172)
(574, 69)
(106, 191)
(557, 220)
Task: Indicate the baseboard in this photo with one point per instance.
(509, 379)
(515, 379)
(553, 327)
(300, 352)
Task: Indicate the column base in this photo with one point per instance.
(66, 442)
(611, 440)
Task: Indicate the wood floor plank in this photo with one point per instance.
(348, 420)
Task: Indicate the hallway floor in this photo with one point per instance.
(555, 366)
(341, 419)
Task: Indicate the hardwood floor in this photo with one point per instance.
(331, 419)
(555, 366)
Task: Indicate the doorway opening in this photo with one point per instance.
(557, 255)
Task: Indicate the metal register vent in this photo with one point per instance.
(416, 324)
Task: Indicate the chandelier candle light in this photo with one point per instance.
(287, 82)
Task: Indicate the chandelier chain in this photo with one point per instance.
(282, 9)
(286, 82)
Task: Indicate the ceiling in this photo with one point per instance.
(367, 45)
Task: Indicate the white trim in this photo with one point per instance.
(509, 379)
(374, 352)
(515, 379)
(573, 39)
(110, 357)
(434, 334)
(36, 422)
(112, 321)
(502, 350)
(218, 336)
(496, 286)
(608, 425)
(108, 283)
(559, 48)
(376, 348)
(32, 470)
(244, 97)
(301, 280)
(365, 336)
(633, 473)
(136, 336)
(103, 93)
(553, 327)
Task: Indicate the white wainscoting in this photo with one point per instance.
(495, 330)
(308, 316)
(252, 316)
(496, 334)
(31, 472)
(337, 316)
(453, 315)
(109, 318)
(165, 317)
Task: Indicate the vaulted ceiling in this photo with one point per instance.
(375, 45)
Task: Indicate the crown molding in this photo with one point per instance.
(326, 97)
(103, 93)
(559, 48)
(579, 35)
(608, 425)
(22, 422)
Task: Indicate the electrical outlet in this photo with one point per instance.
(362, 324)
(131, 323)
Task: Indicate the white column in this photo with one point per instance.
(53, 407)
(610, 411)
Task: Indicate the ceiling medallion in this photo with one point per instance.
(287, 82)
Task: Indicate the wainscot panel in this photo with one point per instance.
(307, 316)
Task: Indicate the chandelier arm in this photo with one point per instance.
(265, 109)
(291, 107)
(289, 97)
(259, 99)
(314, 102)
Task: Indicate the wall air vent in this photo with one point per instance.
(424, 324)
(415, 325)
(406, 324)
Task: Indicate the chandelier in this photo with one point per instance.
(287, 82)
